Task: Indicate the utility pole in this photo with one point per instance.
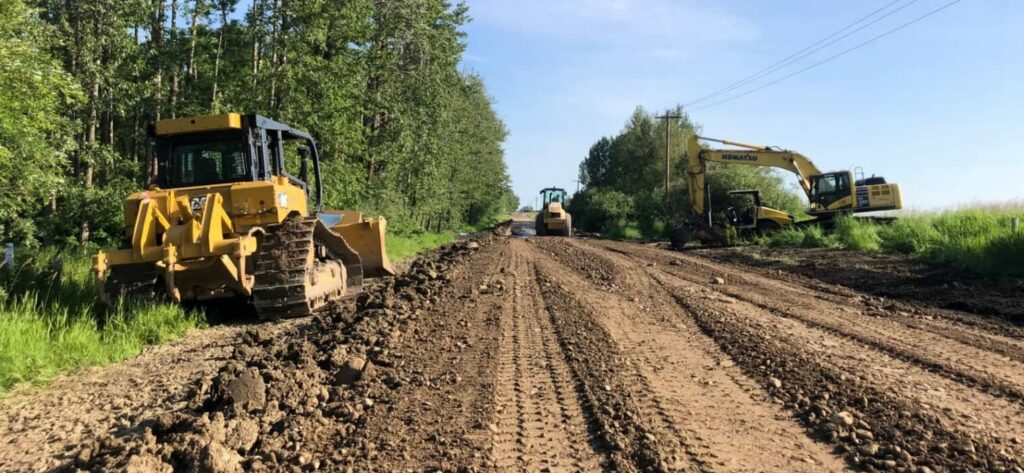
(577, 181)
(668, 150)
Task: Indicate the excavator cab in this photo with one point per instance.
(830, 188)
(834, 192)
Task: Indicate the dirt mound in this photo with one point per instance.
(287, 401)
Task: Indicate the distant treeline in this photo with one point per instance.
(624, 175)
(403, 132)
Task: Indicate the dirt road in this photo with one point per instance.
(555, 354)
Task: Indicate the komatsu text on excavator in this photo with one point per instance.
(828, 193)
(231, 213)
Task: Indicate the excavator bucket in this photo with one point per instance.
(366, 236)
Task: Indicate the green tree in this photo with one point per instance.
(632, 165)
(34, 135)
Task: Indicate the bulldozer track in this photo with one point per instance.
(283, 264)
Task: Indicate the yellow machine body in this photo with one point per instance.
(552, 218)
(775, 216)
(203, 241)
(556, 218)
(366, 237)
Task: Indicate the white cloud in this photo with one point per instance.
(672, 24)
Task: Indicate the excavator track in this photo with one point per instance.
(289, 281)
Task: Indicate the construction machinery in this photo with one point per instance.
(828, 193)
(552, 219)
(231, 213)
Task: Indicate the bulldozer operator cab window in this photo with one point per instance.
(828, 188)
(197, 160)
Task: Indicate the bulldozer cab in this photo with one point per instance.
(746, 215)
(553, 194)
(232, 148)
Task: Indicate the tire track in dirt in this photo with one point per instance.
(437, 415)
(817, 375)
(971, 329)
(972, 365)
(874, 428)
(686, 379)
(540, 422)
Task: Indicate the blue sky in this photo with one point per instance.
(936, 106)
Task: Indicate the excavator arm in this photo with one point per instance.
(751, 155)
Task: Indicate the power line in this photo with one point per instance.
(798, 56)
(830, 58)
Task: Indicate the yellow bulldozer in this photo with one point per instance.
(828, 193)
(230, 213)
(552, 218)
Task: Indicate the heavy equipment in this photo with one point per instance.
(229, 213)
(828, 193)
(552, 219)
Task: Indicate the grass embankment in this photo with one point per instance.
(401, 246)
(49, 323)
(980, 240)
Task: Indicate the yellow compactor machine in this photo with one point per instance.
(552, 218)
(230, 214)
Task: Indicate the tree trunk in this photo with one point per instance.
(157, 36)
(275, 55)
(257, 33)
(196, 11)
(173, 32)
(220, 50)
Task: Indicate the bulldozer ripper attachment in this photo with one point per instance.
(198, 257)
(367, 237)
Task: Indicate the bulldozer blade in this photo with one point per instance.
(367, 237)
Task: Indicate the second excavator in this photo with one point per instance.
(828, 193)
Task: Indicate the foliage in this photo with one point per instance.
(632, 165)
(401, 130)
(34, 136)
(857, 234)
(981, 241)
(598, 210)
(49, 325)
(401, 247)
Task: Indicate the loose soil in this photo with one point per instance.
(499, 353)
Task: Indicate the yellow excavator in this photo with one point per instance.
(828, 193)
(230, 213)
(552, 219)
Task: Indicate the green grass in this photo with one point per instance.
(977, 240)
(49, 324)
(401, 247)
(625, 231)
